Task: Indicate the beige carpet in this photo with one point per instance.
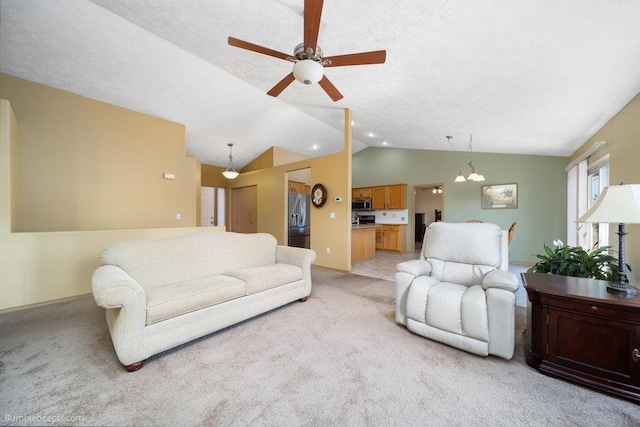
(337, 359)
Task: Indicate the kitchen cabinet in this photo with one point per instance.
(383, 196)
(389, 197)
(363, 245)
(578, 331)
(296, 187)
(359, 193)
(391, 237)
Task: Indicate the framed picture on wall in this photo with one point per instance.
(500, 196)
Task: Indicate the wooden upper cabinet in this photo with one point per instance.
(389, 197)
(379, 198)
(296, 187)
(359, 193)
(396, 196)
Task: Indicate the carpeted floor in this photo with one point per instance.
(337, 359)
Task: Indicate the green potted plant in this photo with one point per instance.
(576, 261)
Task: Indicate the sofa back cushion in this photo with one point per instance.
(462, 253)
(157, 262)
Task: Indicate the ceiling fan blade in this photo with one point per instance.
(374, 57)
(312, 14)
(330, 89)
(256, 48)
(282, 85)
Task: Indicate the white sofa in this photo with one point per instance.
(460, 292)
(160, 293)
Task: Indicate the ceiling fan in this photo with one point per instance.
(307, 57)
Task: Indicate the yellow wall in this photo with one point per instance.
(274, 156)
(334, 172)
(65, 136)
(212, 176)
(43, 266)
(622, 135)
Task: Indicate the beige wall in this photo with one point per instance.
(622, 135)
(44, 266)
(65, 136)
(334, 172)
(211, 176)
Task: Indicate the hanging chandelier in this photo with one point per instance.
(475, 174)
(230, 172)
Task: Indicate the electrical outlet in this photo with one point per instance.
(328, 250)
(178, 216)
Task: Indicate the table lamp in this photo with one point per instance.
(617, 204)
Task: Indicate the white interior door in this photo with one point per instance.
(206, 206)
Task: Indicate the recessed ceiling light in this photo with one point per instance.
(315, 147)
(371, 134)
(385, 143)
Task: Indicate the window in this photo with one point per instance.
(597, 180)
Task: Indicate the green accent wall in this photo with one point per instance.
(542, 190)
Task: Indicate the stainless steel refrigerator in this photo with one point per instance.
(299, 218)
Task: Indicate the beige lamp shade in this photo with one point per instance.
(617, 204)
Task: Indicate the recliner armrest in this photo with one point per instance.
(502, 280)
(415, 267)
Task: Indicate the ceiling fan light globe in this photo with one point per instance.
(308, 71)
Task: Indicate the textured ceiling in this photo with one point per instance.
(537, 77)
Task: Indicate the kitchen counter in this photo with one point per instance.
(363, 242)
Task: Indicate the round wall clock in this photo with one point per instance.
(318, 195)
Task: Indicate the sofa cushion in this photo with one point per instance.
(259, 279)
(164, 302)
(159, 262)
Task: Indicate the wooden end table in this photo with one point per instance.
(579, 331)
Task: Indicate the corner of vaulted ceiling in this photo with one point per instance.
(274, 156)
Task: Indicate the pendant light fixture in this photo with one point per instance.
(475, 174)
(230, 172)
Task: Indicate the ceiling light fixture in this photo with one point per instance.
(230, 172)
(475, 174)
(437, 190)
(308, 71)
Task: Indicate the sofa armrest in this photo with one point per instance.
(415, 267)
(113, 288)
(502, 280)
(126, 304)
(296, 256)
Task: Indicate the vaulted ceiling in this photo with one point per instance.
(534, 77)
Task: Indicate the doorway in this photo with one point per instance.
(427, 206)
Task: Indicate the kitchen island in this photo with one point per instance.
(363, 242)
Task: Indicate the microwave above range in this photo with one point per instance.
(362, 204)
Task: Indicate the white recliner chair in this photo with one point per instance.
(459, 291)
